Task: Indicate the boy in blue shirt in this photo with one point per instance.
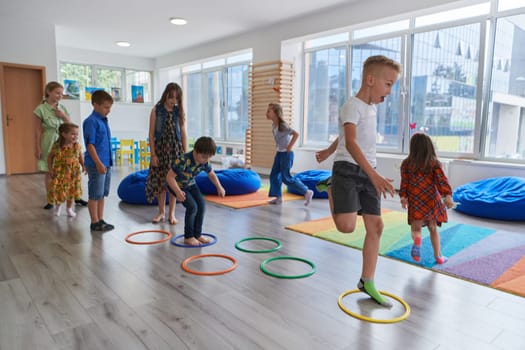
(98, 160)
(181, 183)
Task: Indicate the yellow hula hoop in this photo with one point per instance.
(375, 320)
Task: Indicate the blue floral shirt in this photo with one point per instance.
(186, 169)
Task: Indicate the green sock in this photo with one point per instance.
(322, 186)
(369, 288)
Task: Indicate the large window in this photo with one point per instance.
(109, 79)
(506, 122)
(388, 115)
(326, 90)
(217, 98)
(79, 73)
(213, 104)
(237, 102)
(444, 86)
(116, 81)
(194, 105)
(463, 80)
(139, 78)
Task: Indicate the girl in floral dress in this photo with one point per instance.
(167, 140)
(66, 164)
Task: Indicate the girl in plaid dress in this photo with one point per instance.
(423, 183)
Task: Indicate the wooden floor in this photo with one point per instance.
(63, 287)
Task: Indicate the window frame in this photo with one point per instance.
(194, 68)
(487, 31)
(123, 79)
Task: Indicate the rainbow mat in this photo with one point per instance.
(486, 256)
(248, 200)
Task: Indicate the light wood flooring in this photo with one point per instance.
(63, 287)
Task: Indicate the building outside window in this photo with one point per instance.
(444, 84)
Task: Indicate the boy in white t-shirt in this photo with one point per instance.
(355, 187)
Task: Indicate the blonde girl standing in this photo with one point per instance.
(285, 138)
(65, 163)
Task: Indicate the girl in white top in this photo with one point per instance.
(285, 138)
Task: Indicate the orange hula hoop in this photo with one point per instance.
(211, 273)
(167, 238)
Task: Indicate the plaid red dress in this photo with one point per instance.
(423, 191)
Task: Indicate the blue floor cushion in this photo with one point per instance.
(310, 178)
(132, 188)
(501, 198)
(235, 181)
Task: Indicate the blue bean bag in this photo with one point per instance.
(310, 178)
(235, 181)
(132, 188)
(501, 198)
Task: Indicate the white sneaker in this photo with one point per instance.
(71, 212)
(276, 200)
(308, 197)
(57, 209)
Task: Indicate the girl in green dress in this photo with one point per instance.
(50, 114)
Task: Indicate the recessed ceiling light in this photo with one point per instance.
(178, 21)
(122, 43)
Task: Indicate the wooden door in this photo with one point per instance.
(21, 89)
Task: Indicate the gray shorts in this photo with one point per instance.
(352, 190)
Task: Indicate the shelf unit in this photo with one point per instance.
(271, 82)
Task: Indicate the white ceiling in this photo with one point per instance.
(98, 24)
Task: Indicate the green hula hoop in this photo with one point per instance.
(238, 245)
(269, 273)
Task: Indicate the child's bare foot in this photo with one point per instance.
(158, 218)
(173, 221)
(203, 239)
(192, 241)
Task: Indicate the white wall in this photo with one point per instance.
(126, 120)
(31, 43)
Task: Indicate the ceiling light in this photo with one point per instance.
(122, 43)
(178, 21)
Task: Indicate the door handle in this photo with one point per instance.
(8, 119)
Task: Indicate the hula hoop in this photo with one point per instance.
(269, 273)
(211, 273)
(168, 236)
(213, 241)
(238, 245)
(374, 320)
